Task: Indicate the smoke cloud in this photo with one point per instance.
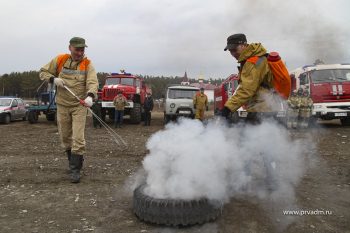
(190, 160)
(301, 32)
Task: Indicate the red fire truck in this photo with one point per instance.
(132, 87)
(223, 92)
(329, 88)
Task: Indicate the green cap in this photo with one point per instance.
(77, 42)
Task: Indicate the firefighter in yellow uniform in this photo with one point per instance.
(200, 103)
(305, 112)
(77, 73)
(255, 79)
(293, 110)
(119, 103)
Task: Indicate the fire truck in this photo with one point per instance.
(223, 92)
(133, 88)
(329, 88)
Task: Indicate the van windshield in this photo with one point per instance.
(181, 93)
(331, 75)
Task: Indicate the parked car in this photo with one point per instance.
(12, 108)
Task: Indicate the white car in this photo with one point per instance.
(11, 109)
(179, 102)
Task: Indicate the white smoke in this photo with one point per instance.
(190, 160)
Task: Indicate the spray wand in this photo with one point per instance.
(117, 138)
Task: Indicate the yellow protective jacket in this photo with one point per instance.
(120, 102)
(200, 101)
(255, 82)
(79, 76)
(306, 102)
(293, 102)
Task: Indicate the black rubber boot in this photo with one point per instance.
(69, 154)
(75, 164)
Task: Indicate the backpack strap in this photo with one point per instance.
(84, 64)
(61, 59)
(255, 60)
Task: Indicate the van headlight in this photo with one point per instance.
(172, 105)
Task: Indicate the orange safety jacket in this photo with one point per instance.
(61, 59)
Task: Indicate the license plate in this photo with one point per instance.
(184, 112)
(243, 114)
(341, 114)
(107, 104)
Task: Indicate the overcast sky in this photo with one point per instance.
(167, 37)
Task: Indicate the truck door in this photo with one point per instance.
(304, 81)
(21, 109)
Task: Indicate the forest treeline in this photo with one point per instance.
(25, 84)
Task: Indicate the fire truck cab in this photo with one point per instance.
(134, 90)
(329, 88)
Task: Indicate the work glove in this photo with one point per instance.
(88, 102)
(225, 112)
(58, 82)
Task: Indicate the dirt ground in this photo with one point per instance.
(36, 195)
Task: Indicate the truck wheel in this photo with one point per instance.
(51, 116)
(166, 119)
(7, 119)
(135, 114)
(25, 117)
(174, 212)
(32, 117)
(234, 117)
(345, 121)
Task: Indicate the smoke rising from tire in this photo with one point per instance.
(189, 160)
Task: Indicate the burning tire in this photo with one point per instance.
(173, 212)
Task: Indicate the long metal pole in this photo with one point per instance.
(117, 138)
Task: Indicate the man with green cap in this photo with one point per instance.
(255, 80)
(77, 73)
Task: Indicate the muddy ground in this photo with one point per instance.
(36, 195)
